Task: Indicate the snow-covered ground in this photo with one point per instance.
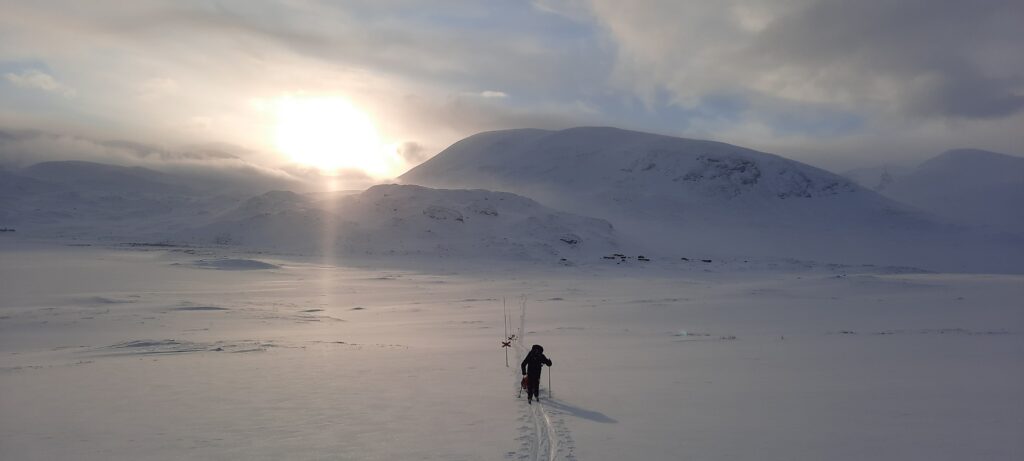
(194, 353)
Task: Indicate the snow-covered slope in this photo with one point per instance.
(272, 202)
(671, 195)
(411, 220)
(971, 186)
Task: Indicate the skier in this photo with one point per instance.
(531, 371)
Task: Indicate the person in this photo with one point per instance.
(531, 371)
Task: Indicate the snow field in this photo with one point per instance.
(132, 354)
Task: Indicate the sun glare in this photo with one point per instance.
(331, 134)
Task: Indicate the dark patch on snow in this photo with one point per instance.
(105, 300)
(201, 308)
(234, 264)
(443, 214)
(174, 346)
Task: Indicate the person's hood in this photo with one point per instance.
(537, 348)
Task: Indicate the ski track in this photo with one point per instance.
(543, 444)
(547, 434)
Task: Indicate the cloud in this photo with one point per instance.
(373, 53)
(781, 75)
(961, 93)
(21, 148)
(156, 87)
(921, 58)
(412, 153)
(40, 81)
(944, 58)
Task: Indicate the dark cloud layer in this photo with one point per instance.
(940, 57)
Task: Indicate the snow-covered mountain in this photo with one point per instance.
(671, 195)
(617, 164)
(596, 190)
(971, 186)
(411, 220)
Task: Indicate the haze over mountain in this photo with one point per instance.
(87, 199)
(971, 186)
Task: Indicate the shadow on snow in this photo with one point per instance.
(578, 412)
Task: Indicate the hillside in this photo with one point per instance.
(409, 221)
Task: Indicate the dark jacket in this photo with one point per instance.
(534, 361)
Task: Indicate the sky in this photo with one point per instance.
(838, 84)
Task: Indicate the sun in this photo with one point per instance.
(331, 134)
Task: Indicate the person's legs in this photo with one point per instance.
(533, 387)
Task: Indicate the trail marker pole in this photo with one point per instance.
(550, 394)
(504, 317)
